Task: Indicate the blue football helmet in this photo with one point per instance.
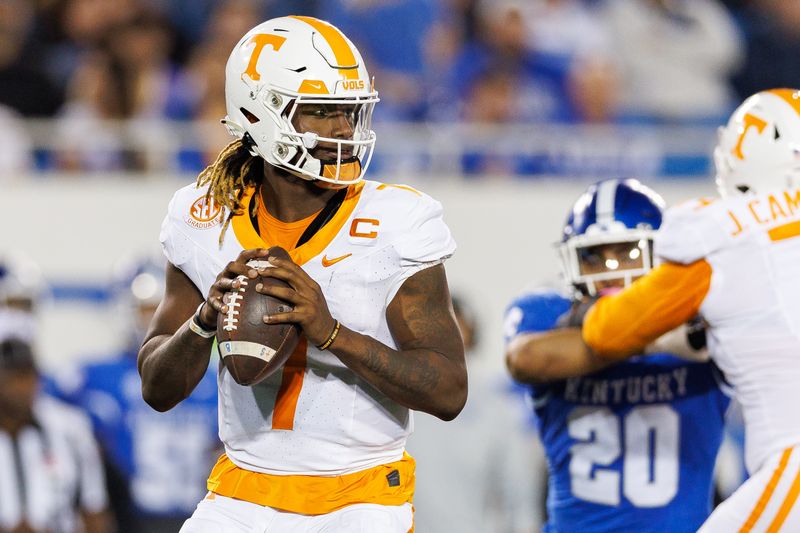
(137, 288)
(612, 211)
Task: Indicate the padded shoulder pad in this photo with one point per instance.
(534, 312)
(416, 223)
(691, 231)
(183, 211)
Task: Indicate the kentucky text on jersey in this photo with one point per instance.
(648, 388)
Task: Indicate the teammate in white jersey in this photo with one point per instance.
(735, 261)
(319, 445)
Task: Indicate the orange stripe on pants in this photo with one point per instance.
(786, 506)
(767, 494)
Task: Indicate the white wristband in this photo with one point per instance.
(194, 325)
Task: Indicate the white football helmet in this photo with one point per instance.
(289, 61)
(22, 290)
(21, 281)
(759, 149)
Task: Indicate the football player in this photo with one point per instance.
(156, 461)
(734, 260)
(630, 447)
(320, 444)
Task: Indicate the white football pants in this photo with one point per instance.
(765, 503)
(218, 514)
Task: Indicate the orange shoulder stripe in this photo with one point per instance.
(621, 325)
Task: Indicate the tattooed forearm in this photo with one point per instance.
(411, 371)
(427, 372)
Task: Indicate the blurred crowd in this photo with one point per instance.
(111, 73)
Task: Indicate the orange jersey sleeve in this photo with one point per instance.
(621, 325)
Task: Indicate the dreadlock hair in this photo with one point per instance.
(229, 177)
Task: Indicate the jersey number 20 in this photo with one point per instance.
(648, 439)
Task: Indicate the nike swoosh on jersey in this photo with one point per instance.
(328, 262)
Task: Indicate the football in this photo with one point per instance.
(250, 349)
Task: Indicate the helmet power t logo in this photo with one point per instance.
(261, 40)
(749, 121)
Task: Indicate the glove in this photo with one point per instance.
(687, 341)
(696, 333)
(574, 317)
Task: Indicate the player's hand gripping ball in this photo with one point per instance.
(250, 349)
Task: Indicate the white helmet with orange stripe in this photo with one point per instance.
(759, 149)
(287, 62)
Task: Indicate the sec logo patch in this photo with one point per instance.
(204, 213)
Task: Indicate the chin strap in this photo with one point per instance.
(239, 132)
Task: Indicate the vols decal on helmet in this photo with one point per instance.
(353, 85)
(261, 40)
(750, 121)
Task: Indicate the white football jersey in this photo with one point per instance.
(752, 305)
(317, 417)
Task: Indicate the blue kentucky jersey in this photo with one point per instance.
(165, 457)
(631, 447)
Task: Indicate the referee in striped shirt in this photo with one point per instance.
(51, 476)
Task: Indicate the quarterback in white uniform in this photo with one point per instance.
(734, 260)
(320, 444)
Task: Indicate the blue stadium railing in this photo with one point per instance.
(522, 150)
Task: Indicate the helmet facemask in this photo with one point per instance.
(575, 255)
(294, 148)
